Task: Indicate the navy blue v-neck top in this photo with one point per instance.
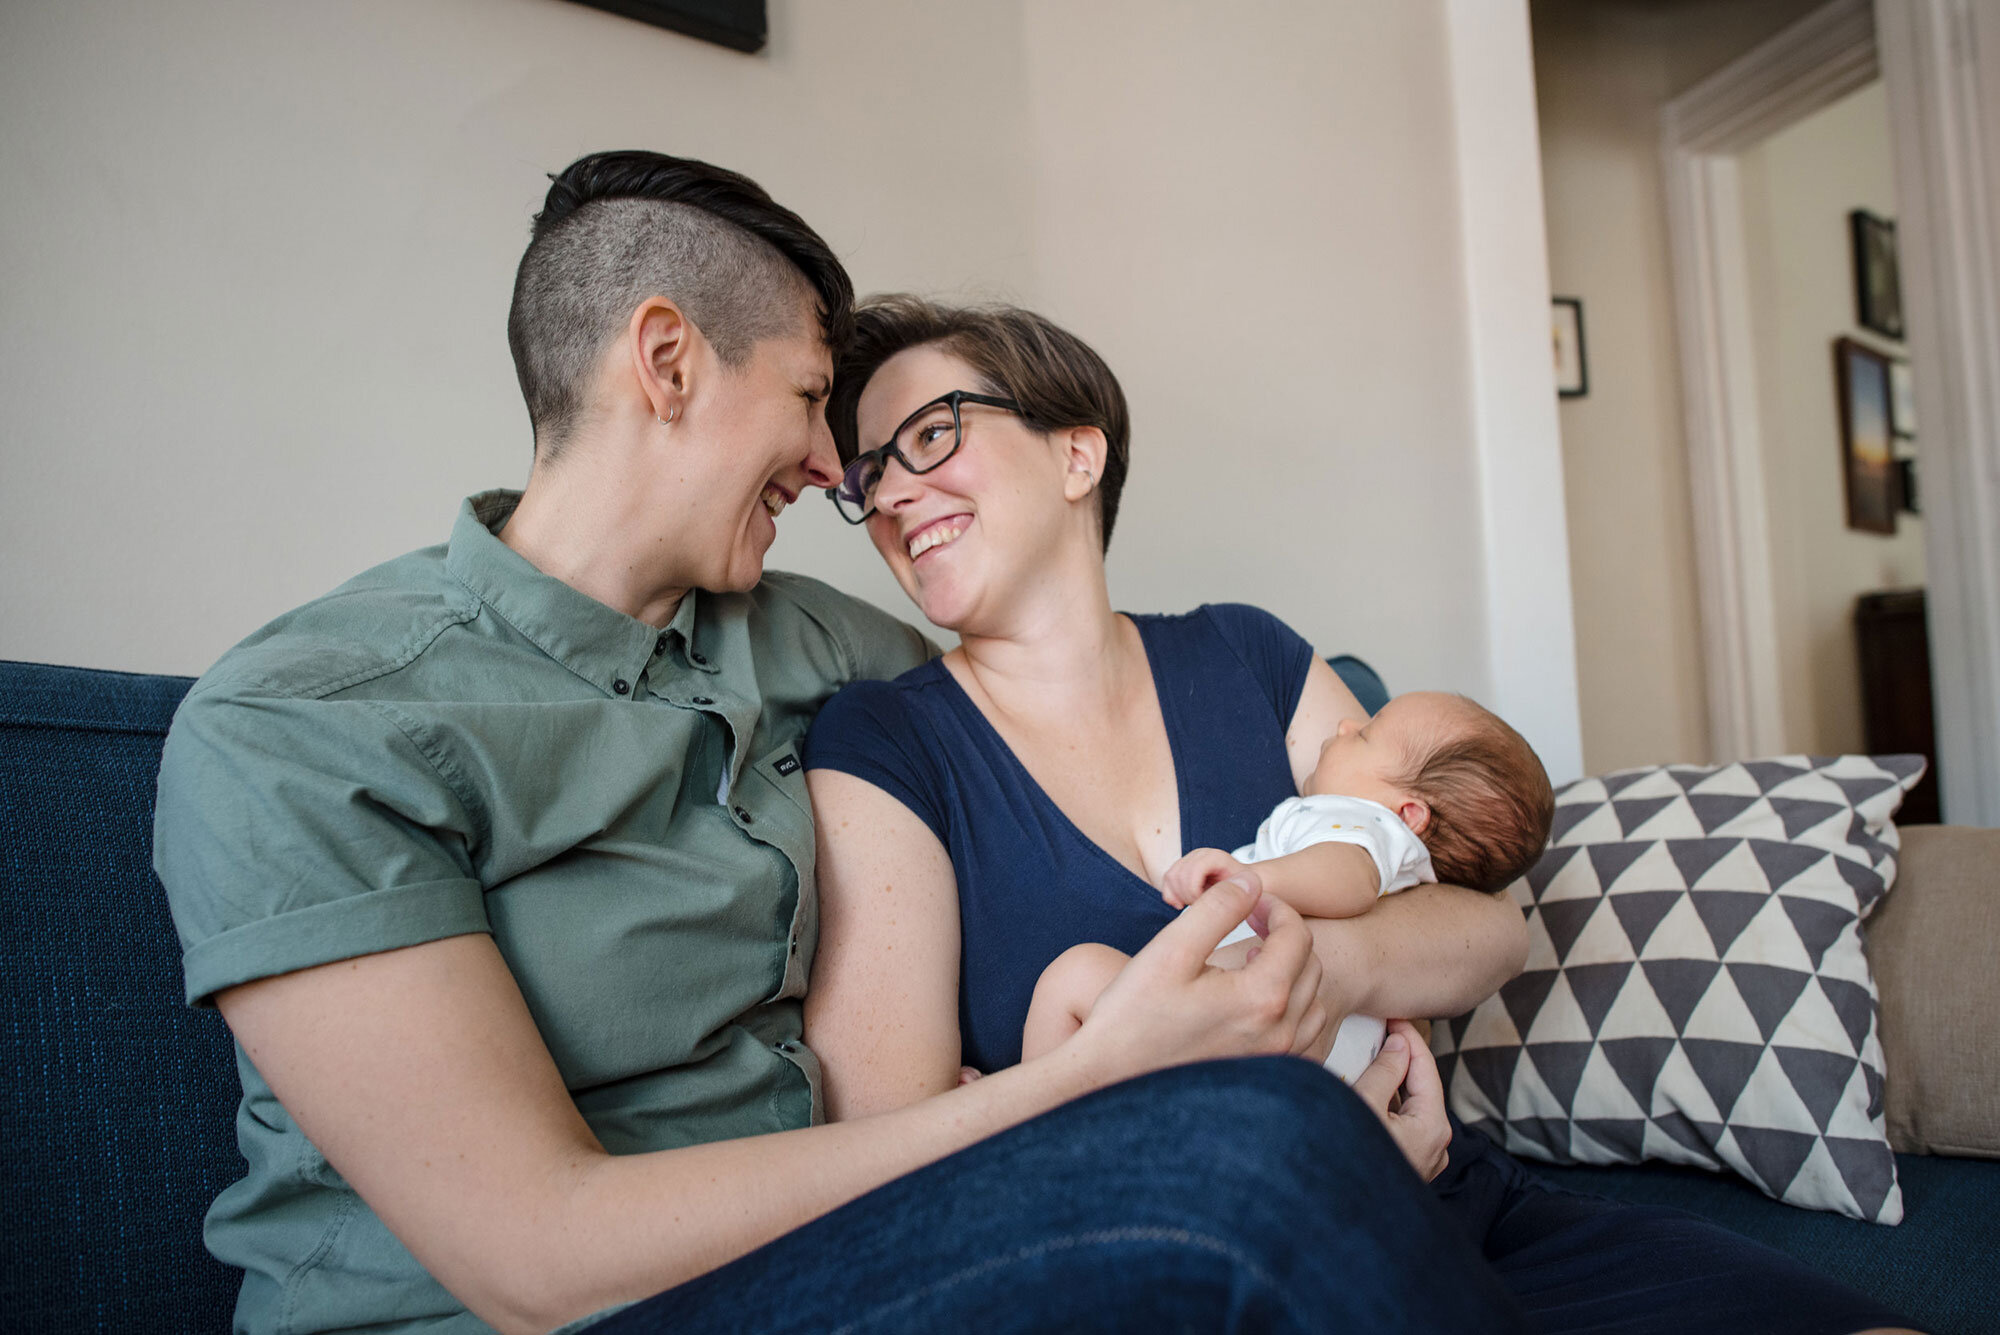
(1030, 885)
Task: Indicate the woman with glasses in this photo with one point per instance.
(498, 863)
(986, 811)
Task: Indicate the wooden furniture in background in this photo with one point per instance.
(1895, 650)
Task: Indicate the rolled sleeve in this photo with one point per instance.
(297, 832)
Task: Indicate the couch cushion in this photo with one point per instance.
(121, 1102)
(1940, 1036)
(1935, 1267)
(1696, 989)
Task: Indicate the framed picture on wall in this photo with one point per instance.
(1572, 372)
(736, 24)
(1878, 287)
(1866, 444)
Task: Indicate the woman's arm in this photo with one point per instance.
(882, 1007)
(1323, 703)
(420, 1075)
(1431, 950)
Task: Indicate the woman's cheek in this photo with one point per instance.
(887, 546)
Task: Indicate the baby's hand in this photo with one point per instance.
(1188, 878)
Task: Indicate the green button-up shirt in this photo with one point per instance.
(455, 742)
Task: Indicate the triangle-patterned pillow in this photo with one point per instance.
(1695, 988)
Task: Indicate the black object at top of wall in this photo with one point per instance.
(737, 24)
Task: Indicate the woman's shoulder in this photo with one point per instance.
(884, 732)
(1239, 624)
(872, 708)
(900, 691)
(1234, 639)
(1222, 613)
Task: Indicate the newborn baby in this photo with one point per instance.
(1433, 788)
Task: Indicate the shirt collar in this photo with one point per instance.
(598, 643)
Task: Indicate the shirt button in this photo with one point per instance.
(621, 686)
(743, 816)
(703, 700)
(660, 645)
(697, 659)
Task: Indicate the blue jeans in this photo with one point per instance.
(1245, 1196)
(1230, 1196)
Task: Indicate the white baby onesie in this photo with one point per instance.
(1401, 861)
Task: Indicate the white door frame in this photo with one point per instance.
(1947, 214)
(1517, 437)
(1947, 174)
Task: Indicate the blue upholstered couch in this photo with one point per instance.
(121, 1101)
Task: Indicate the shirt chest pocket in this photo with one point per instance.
(783, 768)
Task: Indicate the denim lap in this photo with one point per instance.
(1229, 1196)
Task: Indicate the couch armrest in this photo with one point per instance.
(1931, 945)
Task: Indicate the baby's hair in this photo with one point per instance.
(1490, 803)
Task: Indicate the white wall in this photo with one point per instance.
(1798, 187)
(258, 260)
(1604, 69)
(253, 329)
(1202, 218)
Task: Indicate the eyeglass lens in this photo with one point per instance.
(924, 442)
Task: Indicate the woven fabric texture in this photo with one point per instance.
(121, 1101)
(1934, 1267)
(1696, 989)
(1941, 924)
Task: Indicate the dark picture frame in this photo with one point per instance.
(1878, 283)
(1867, 448)
(739, 25)
(1566, 338)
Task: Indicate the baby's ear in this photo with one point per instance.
(1416, 814)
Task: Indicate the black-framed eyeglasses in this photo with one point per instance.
(927, 437)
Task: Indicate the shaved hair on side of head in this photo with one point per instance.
(619, 228)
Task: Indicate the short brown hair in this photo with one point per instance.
(1490, 803)
(1057, 378)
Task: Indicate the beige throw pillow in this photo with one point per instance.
(1932, 946)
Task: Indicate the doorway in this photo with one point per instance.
(1691, 626)
(1798, 391)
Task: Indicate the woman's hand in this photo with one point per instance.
(1170, 1006)
(1417, 1122)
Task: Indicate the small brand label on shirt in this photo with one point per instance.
(786, 764)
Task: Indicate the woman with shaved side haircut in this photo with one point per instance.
(498, 862)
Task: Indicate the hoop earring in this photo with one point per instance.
(672, 413)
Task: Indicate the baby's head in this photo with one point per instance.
(1464, 782)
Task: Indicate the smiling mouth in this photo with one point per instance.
(774, 498)
(936, 535)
